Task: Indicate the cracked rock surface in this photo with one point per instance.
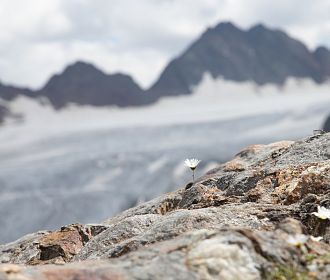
(250, 218)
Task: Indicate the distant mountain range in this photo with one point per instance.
(259, 54)
(84, 84)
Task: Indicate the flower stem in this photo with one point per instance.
(193, 175)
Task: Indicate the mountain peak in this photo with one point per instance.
(80, 63)
(225, 27)
(82, 83)
(259, 28)
(81, 67)
(322, 50)
(260, 54)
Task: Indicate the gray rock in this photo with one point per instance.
(260, 54)
(326, 125)
(250, 218)
(135, 232)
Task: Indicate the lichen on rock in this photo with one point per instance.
(238, 221)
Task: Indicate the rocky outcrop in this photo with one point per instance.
(250, 218)
(49, 247)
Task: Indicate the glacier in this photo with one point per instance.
(84, 164)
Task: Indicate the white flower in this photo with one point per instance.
(192, 163)
(322, 213)
(297, 239)
(317, 239)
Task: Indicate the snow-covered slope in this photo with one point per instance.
(82, 164)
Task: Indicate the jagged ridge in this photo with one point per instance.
(260, 54)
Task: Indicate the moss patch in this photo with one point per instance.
(288, 273)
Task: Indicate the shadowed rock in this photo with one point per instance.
(83, 84)
(326, 126)
(49, 247)
(3, 113)
(260, 54)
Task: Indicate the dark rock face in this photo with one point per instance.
(322, 55)
(326, 126)
(3, 112)
(9, 92)
(259, 54)
(250, 218)
(82, 83)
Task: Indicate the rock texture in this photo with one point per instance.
(250, 218)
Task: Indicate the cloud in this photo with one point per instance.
(40, 37)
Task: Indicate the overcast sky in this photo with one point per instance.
(40, 37)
